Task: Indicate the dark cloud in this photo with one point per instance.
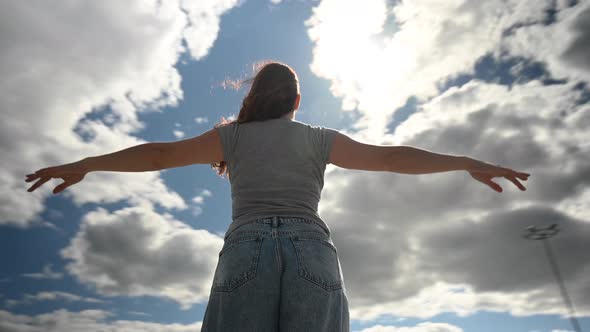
(492, 255)
(137, 252)
(398, 234)
(578, 53)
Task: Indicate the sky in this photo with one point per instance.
(503, 81)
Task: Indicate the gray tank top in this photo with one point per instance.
(276, 168)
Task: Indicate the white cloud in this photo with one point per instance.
(62, 62)
(563, 46)
(201, 119)
(376, 70)
(50, 296)
(46, 274)
(197, 210)
(422, 327)
(135, 251)
(204, 17)
(178, 133)
(200, 199)
(83, 321)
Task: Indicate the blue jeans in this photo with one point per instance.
(278, 274)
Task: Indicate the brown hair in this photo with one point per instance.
(274, 89)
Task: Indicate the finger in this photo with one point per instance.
(31, 177)
(36, 175)
(522, 176)
(47, 171)
(516, 183)
(39, 183)
(495, 186)
(492, 184)
(61, 187)
(510, 172)
(507, 172)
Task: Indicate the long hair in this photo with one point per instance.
(274, 89)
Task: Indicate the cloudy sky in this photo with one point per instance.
(504, 81)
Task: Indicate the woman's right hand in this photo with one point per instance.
(484, 172)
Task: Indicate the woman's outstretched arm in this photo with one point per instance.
(348, 153)
(412, 160)
(138, 158)
(202, 149)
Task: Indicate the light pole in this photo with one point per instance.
(544, 233)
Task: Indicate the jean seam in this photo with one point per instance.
(319, 240)
(301, 233)
(285, 220)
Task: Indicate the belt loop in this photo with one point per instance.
(275, 221)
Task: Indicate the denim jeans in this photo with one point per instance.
(278, 274)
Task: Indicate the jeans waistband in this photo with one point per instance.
(275, 221)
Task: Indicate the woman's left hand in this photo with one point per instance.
(71, 173)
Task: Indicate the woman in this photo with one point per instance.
(278, 268)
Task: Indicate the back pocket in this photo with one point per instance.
(317, 261)
(237, 264)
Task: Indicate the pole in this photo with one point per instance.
(544, 234)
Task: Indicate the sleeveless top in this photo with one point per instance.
(276, 168)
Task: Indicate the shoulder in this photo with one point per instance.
(225, 127)
(307, 126)
(320, 130)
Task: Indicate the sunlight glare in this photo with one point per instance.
(358, 58)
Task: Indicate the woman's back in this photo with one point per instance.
(276, 167)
